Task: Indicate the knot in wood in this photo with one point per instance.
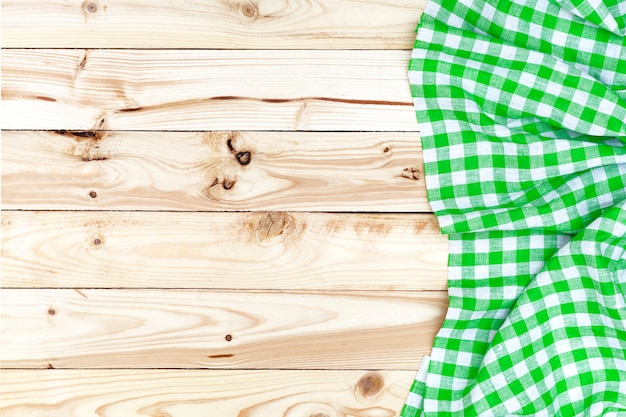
(228, 183)
(411, 173)
(90, 7)
(243, 158)
(271, 224)
(370, 384)
(250, 10)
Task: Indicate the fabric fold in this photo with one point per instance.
(522, 116)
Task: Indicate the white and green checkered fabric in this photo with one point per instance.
(522, 112)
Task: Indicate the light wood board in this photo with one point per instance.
(184, 393)
(258, 250)
(232, 24)
(207, 329)
(207, 171)
(206, 90)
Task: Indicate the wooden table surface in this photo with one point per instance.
(213, 208)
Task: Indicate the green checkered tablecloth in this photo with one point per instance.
(522, 112)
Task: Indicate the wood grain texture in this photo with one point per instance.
(226, 24)
(206, 90)
(259, 250)
(224, 216)
(208, 329)
(184, 393)
(213, 171)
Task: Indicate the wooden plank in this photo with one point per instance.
(213, 171)
(263, 24)
(260, 250)
(65, 328)
(184, 393)
(206, 90)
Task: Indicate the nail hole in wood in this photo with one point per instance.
(228, 338)
(93, 194)
(51, 311)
